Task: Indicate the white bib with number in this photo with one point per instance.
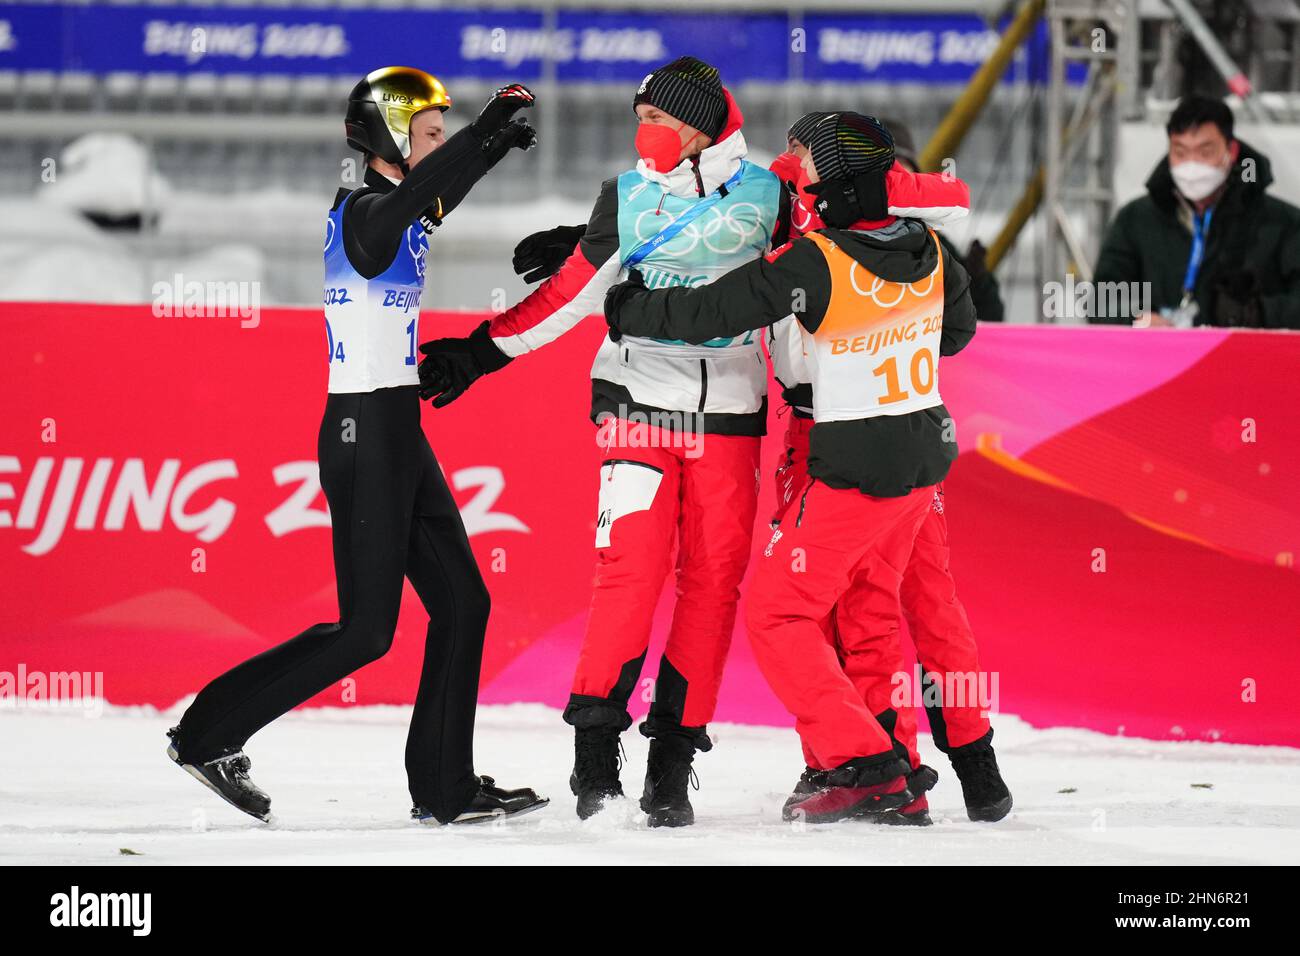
(371, 325)
(876, 351)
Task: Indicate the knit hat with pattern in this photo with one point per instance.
(849, 145)
(689, 90)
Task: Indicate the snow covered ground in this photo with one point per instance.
(84, 790)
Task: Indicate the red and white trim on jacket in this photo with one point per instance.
(576, 291)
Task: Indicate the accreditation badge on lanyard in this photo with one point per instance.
(1184, 317)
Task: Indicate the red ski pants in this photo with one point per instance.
(659, 489)
(864, 628)
(826, 540)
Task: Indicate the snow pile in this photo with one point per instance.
(107, 174)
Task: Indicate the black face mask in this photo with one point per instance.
(842, 202)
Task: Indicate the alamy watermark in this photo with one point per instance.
(75, 690)
(1085, 300)
(637, 428)
(949, 689)
(181, 298)
(133, 911)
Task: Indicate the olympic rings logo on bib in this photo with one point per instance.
(876, 349)
(739, 227)
(878, 283)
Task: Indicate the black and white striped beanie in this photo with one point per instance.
(850, 144)
(689, 90)
(801, 129)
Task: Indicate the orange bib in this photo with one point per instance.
(877, 350)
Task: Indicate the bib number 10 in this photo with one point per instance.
(920, 374)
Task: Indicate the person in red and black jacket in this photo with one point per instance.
(865, 625)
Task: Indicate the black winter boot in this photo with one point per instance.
(597, 723)
(669, 772)
(987, 797)
(596, 764)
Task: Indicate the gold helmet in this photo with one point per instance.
(380, 108)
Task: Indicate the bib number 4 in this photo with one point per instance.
(335, 347)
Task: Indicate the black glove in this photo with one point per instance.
(517, 134)
(450, 366)
(544, 252)
(619, 294)
(503, 105)
(842, 202)
(446, 372)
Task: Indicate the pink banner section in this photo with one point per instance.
(1122, 517)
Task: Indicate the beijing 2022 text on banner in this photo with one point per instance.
(585, 45)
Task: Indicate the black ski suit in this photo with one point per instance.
(393, 517)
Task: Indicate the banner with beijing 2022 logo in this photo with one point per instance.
(580, 45)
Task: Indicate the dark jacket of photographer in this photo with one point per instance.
(1250, 275)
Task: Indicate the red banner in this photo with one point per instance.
(1123, 516)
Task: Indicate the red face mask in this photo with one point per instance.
(787, 167)
(660, 146)
(801, 184)
(804, 218)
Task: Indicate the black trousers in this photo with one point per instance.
(393, 518)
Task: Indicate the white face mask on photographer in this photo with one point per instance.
(1196, 180)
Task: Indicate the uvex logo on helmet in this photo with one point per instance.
(380, 107)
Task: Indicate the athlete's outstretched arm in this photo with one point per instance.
(515, 135)
(374, 222)
(794, 280)
(574, 292)
(557, 305)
